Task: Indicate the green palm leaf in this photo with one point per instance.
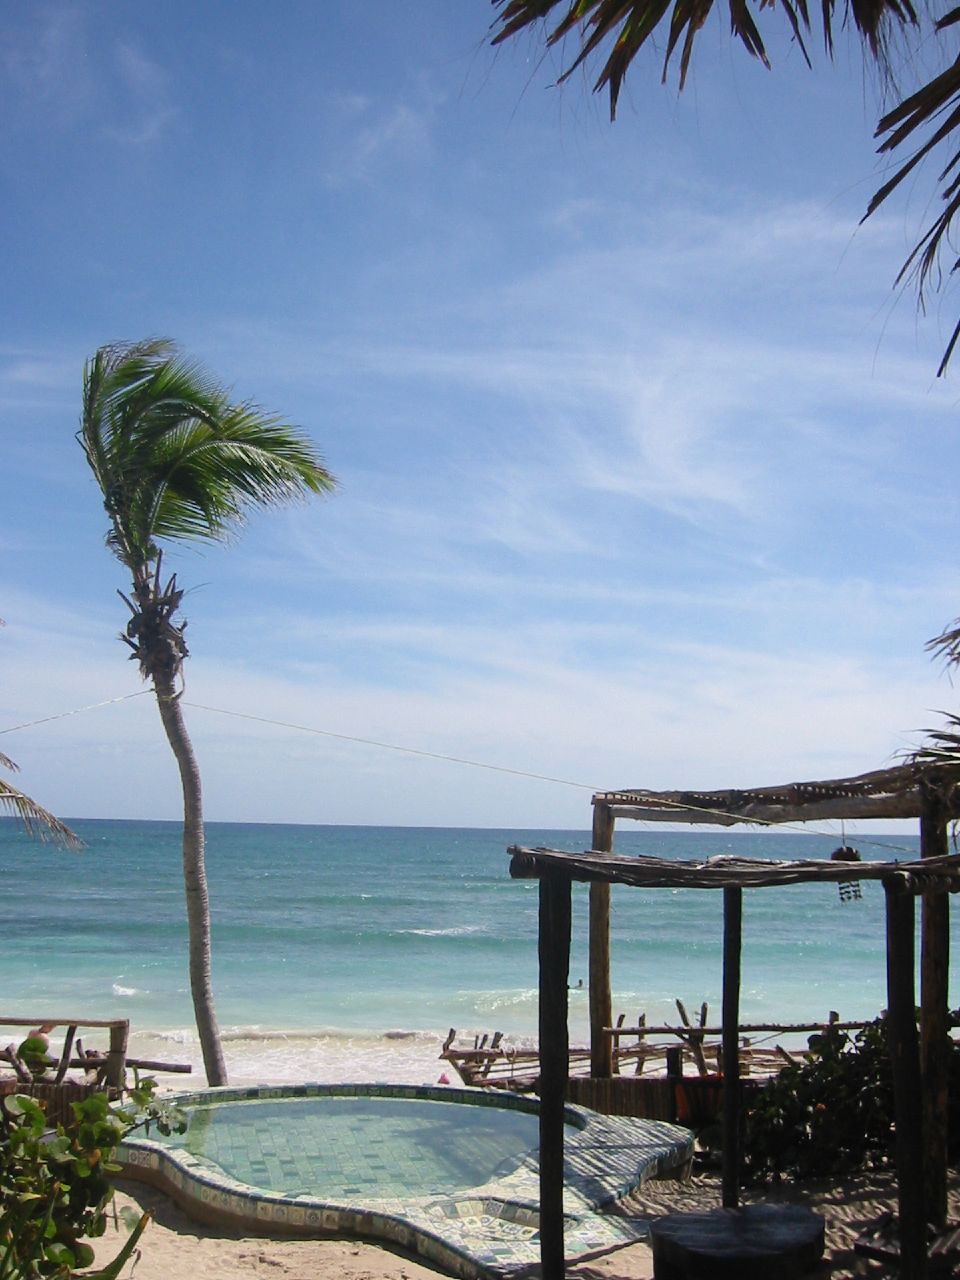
(175, 459)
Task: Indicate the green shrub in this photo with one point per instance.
(54, 1184)
(833, 1113)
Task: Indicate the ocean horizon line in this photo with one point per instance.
(636, 828)
(357, 931)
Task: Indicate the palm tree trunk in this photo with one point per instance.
(194, 879)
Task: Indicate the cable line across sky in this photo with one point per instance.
(412, 751)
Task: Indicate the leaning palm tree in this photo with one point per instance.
(610, 34)
(176, 460)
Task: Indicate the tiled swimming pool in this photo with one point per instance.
(450, 1173)
(360, 1146)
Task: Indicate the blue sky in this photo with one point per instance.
(645, 476)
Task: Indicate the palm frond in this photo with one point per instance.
(946, 645)
(934, 108)
(175, 459)
(626, 26)
(612, 32)
(943, 745)
(38, 822)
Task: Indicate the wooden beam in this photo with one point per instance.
(64, 1022)
(703, 812)
(924, 875)
(732, 930)
(935, 1004)
(882, 793)
(752, 1027)
(554, 952)
(905, 1062)
(601, 999)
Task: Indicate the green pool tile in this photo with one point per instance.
(322, 1172)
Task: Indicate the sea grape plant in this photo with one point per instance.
(55, 1192)
(833, 1112)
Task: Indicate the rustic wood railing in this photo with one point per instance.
(107, 1068)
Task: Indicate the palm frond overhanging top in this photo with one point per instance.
(610, 33)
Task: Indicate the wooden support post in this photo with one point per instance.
(554, 951)
(117, 1054)
(905, 1063)
(935, 1005)
(732, 928)
(601, 1002)
(67, 1049)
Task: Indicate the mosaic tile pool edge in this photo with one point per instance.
(484, 1235)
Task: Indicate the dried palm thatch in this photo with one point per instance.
(882, 793)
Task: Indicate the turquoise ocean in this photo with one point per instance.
(347, 952)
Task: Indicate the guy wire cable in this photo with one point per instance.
(437, 755)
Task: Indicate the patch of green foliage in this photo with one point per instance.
(831, 1114)
(54, 1183)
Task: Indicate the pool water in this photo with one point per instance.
(361, 1146)
(452, 1174)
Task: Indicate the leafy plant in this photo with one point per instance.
(830, 1114)
(54, 1185)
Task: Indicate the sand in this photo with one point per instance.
(175, 1248)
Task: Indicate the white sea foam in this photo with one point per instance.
(258, 1055)
(358, 932)
(457, 931)
(492, 1001)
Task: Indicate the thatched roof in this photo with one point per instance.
(885, 793)
(725, 872)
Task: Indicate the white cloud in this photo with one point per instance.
(147, 109)
(375, 139)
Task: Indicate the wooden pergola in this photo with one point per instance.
(928, 793)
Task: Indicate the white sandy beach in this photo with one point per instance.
(176, 1248)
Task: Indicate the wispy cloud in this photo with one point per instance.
(544, 713)
(37, 380)
(146, 104)
(373, 139)
(44, 56)
(71, 80)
